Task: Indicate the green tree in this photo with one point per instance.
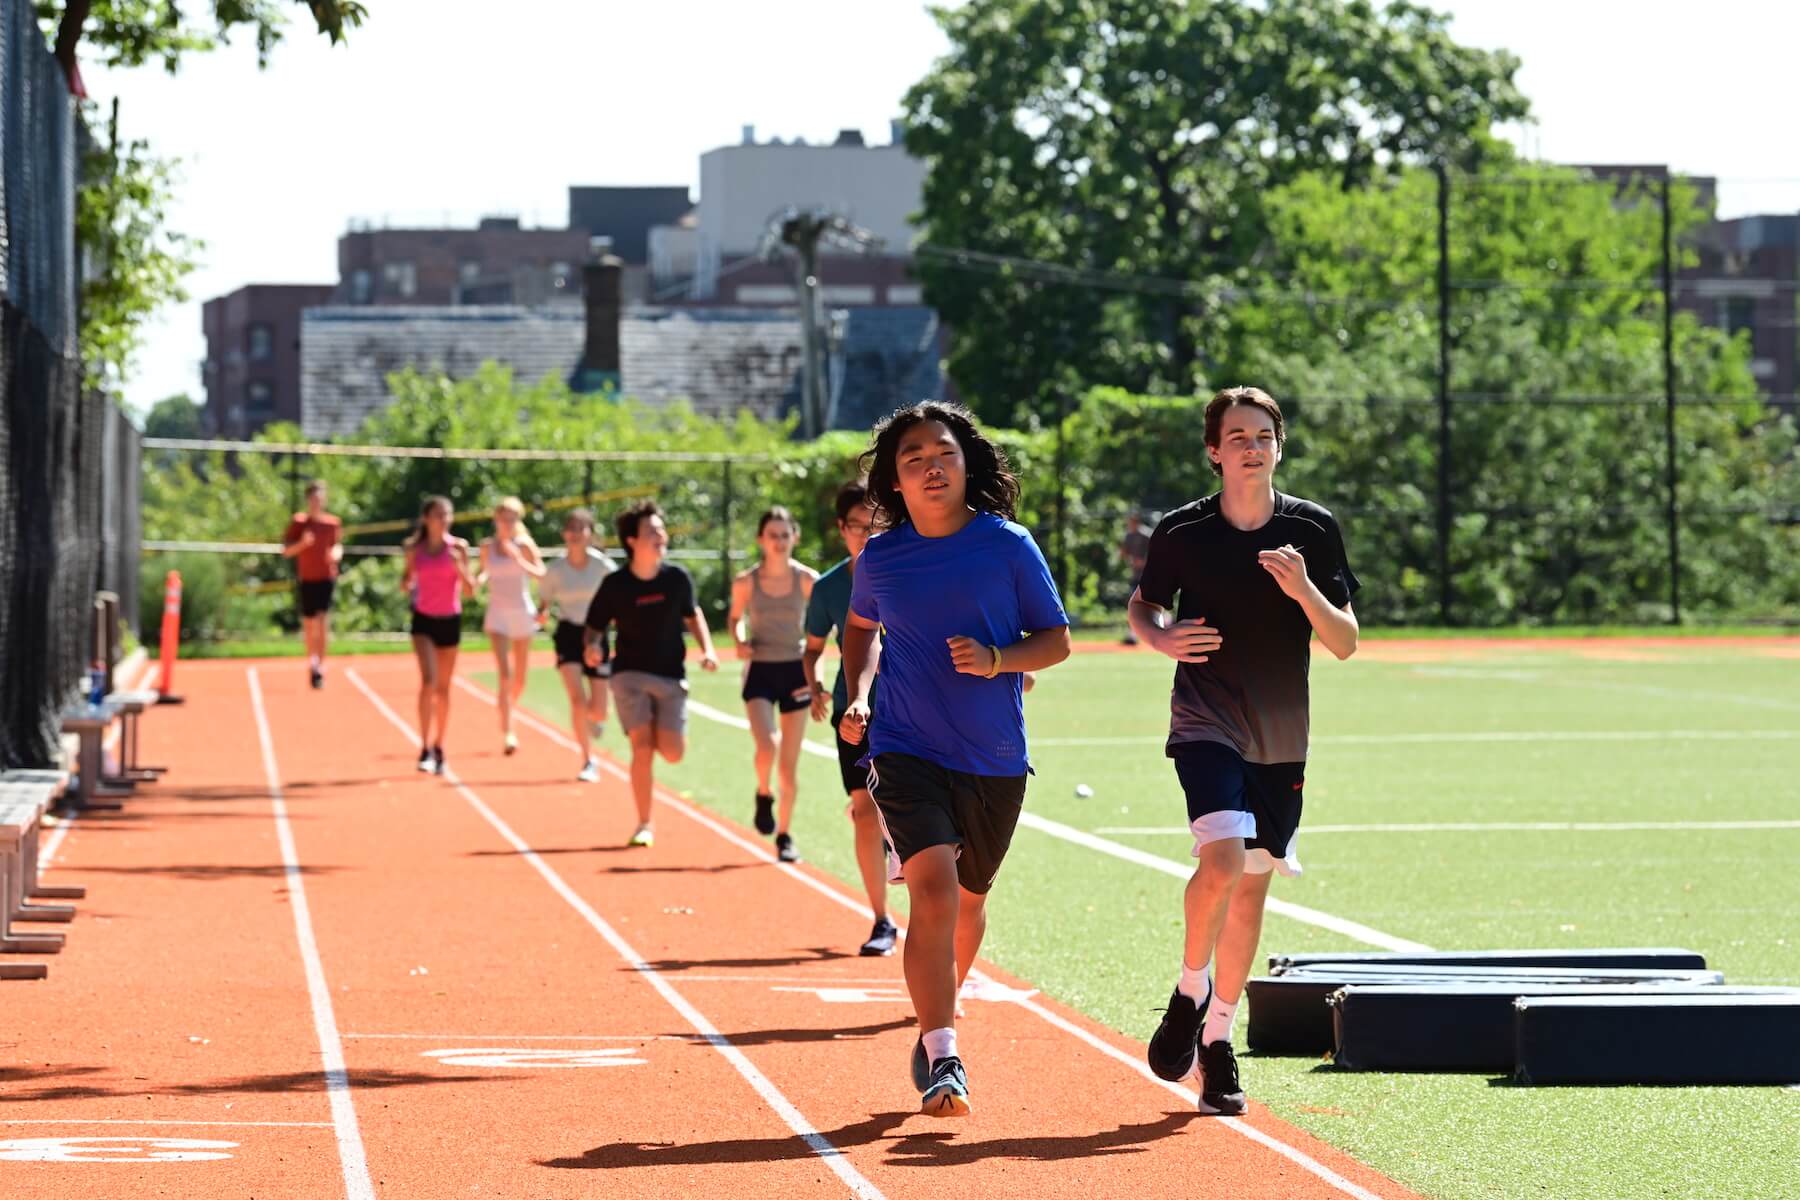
(125, 190)
(173, 417)
(1141, 137)
(130, 33)
(121, 222)
(1557, 444)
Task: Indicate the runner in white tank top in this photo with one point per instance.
(509, 561)
(568, 587)
(768, 609)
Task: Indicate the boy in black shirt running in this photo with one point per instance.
(1257, 574)
(651, 602)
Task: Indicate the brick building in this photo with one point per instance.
(497, 262)
(252, 369)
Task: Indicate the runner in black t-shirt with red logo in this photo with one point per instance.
(1251, 575)
(651, 602)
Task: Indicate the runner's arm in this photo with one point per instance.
(293, 539)
(459, 554)
(1187, 641)
(860, 658)
(531, 560)
(1034, 652)
(809, 663)
(734, 618)
(406, 572)
(1337, 627)
(696, 623)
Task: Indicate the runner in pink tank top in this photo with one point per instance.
(437, 576)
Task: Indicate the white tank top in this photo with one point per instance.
(508, 593)
(568, 592)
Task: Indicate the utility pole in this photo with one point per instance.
(1668, 357)
(1445, 591)
(802, 231)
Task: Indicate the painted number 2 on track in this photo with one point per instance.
(503, 1058)
(104, 1149)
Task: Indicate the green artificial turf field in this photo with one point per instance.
(1431, 737)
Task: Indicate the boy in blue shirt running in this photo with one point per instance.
(965, 604)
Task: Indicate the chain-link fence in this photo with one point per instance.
(69, 474)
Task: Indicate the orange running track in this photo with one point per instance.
(306, 970)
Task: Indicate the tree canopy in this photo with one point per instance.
(1141, 138)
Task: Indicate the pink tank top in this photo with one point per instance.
(437, 590)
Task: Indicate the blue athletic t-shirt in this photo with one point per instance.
(987, 581)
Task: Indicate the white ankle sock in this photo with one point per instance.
(940, 1043)
(1218, 1022)
(1195, 983)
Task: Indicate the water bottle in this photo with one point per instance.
(96, 685)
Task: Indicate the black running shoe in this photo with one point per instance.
(1220, 1092)
(1173, 1044)
(947, 1093)
(765, 813)
(318, 678)
(437, 760)
(784, 848)
(881, 941)
(921, 1066)
(425, 759)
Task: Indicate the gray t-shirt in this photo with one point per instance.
(1251, 694)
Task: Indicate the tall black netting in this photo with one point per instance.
(68, 459)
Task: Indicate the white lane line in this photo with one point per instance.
(515, 1037)
(832, 1156)
(257, 1124)
(52, 844)
(1298, 912)
(357, 1184)
(1481, 736)
(1483, 827)
(1236, 1124)
(1068, 833)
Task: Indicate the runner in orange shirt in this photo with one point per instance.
(314, 539)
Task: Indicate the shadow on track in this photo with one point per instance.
(939, 1147)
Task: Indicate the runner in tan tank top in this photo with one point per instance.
(768, 612)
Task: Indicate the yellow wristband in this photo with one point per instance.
(995, 670)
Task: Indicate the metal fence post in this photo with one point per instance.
(1668, 355)
(1443, 394)
(725, 538)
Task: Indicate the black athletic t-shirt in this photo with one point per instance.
(1251, 694)
(651, 614)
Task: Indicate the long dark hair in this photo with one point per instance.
(431, 502)
(992, 486)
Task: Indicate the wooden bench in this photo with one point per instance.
(89, 722)
(131, 710)
(58, 783)
(22, 808)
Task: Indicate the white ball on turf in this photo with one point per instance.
(1083, 790)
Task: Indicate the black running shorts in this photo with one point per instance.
(856, 776)
(571, 648)
(782, 684)
(1228, 797)
(315, 596)
(923, 805)
(444, 632)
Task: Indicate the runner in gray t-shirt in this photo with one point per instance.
(1250, 576)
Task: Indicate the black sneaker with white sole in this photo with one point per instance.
(947, 1094)
(784, 848)
(437, 760)
(1220, 1092)
(881, 939)
(1173, 1045)
(921, 1066)
(425, 759)
(765, 814)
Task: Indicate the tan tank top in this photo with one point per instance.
(777, 623)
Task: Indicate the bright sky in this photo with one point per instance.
(438, 111)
